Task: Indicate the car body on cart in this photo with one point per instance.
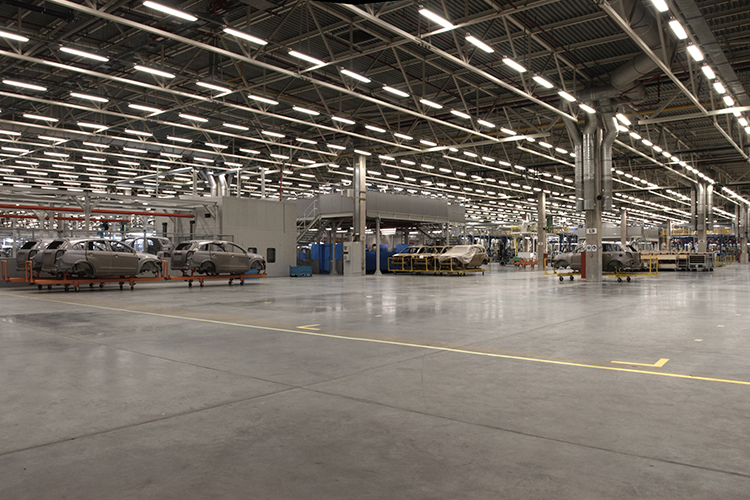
(155, 245)
(615, 257)
(460, 257)
(95, 258)
(418, 258)
(213, 257)
(32, 250)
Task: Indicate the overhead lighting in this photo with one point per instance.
(179, 139)
(507, 131)
(375, 129)
(263, 99)
(541, 81)
(460, 114)
(728, 100)
(356, 76)
(138, 132)
(205, 160)
(561, 151)
(385, 157)
(13, 36)
(87, 55)
(232, 164)
(273, 134)
(566, 96)
(427, 143)
(431, 104)
(145, 108)
(135, 150)
(635, 136)
(747, 130)
(695, 52)
(658, 149)
(620, 128)
(646, 142)
(250, 151)
(89, 97)
(170, 155)
(623, 119)
(193, 118)
(14, 150)
(217, 146)
(336, 146)
(486, 123)
(436, 19)
(678, 30)
(708, 72)
(9, 132)
(153, 71)
(306, 141)
(39, 117)
(408, 162)
(245, 36)
(660, 5)
(50, 138)
(469, 153)
(95, 145)
(170, 11)
(403, 136)
(343, 120)
(545, 144)
(305, 57)
(214, 87)
(236, 127)
(666, 154)
(95, 126)
(130, 163)
(360, 152)
(279, 156)
(29, 86)
(58, 155)
(305, 110)
(393, 91)
(475, 41)
(445, 170)
(427, 166)
(743, 121)
(587, 109)
(513, 64)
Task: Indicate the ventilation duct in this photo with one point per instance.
(709, 207)
(589, 162)
(701, 209)
(223, 186)
(608, 139)
(575, 137)
(213, 190)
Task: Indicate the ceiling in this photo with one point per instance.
(471, 129)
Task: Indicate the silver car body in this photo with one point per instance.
(464, 257)
(96, 257)
(155, 245)
(32, 250)
(614, 256)
(215, 257)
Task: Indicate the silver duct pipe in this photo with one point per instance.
(213, 191)
(589, 162)
(693, 215)
(610, 134)
(575, 137)
(224, 187)
(701, 209)
(709, 207)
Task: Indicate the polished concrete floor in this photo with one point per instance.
(415, 387)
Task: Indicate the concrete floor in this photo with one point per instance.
(414, 387)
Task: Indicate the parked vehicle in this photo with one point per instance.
(96, 257)
(215, 257)
(155, 245)
(464, 257)
(32, 250)
(615, 257)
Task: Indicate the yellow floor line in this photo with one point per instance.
(393, 342)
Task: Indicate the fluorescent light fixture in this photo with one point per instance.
(408, 162)
(427, 143)
(678, 30)
(88, 97)
(708, 72)
(87, 55)
(375, 129)
(232, 164)
(436, 19)
(360, 152)
(305, 160)
(658, 149)
(145, 108)
(728, 100)
(445, 170)
(385, 157)
(545, 144)
(245, 36)
(306, 141)
(469, 153)
(460, 114)
(273, 134)
(179, 139)
(29, 86)
(566, 96)
(623, 119)
(507, 131)
(153, 71)
(356, 76)
(695, 52)
(431, 104)
(250, 151)
(743, 121)
(236, 127)
(620, 128)
(59, 155)
(214, 87)
(336, 146)
(666, 154)
(13, 36)
(561, 151)
(478, 43)
(305, 110)
(635, 136)
(541, 81)
(135, 150)
(213, 145)
(50, 138)
(513, 64)
(403, 136)
(9, 132)
(14, 150)
(660, 5)
(747, 130)
(193, 118)
(39, 117)
(131, 163)
(343, 120)
(281, 157)
(170, 155)
(205, 160)
(138, 132)
(647, 142)
(169, 10)
(486, 123)
(587, 109)
(305, 57)
(394, 91)
(95, 145)
(263, 99)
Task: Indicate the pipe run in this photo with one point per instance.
(608, 139)
(589, 162)
(10, 206)
(575, 137)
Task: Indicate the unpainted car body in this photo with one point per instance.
(464, 257)
(615, 257)
(215, 257)
(32, 250)
(418, 257)
(154, 245)
(96, 257)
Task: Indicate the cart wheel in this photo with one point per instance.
(230, 282)
(561, 278)
(121, 286)
(628, 278)
(40, 287)
(619, 280)
(132, 287)
(242, 282)
(78, 289)
(101, 285)
(67, 288)
(572, 278)
(201, 285)
(49, 287)
(190, 284)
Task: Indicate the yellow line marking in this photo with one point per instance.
(658, 364)
(309, 327)
(392, 342)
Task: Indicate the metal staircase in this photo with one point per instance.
(310, 231)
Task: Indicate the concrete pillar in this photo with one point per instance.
(360, 205)
(377, 246)
(624, 226)
(87, 212)
(742, 223)
(541, 234)
(262, 182)
(195, 182)
(668, 244)
(239, 183)
(700, 225)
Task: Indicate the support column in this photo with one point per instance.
(360, 206)
(262, 182)
(87, 212)
(624, 226)
(541, 234)
(377, 246)
(669, 236)
(195, 183)
(742, 223)
(239, 183)
(700, 223)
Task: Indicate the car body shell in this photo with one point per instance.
(464, 257)
(155, 245)
(418, 257)
(32, 250)
(213, 257)
(96, 257)
(615, 256)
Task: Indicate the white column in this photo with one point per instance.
(624, 226)
(541, 234)
(377, 246)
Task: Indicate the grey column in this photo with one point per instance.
(377, 246)
(743, 234)
(624, 226)
(87, 212)
(541, 234)
(262, 182)
(669, 235)
(195, 183)
(360, 205)
(700, 222)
